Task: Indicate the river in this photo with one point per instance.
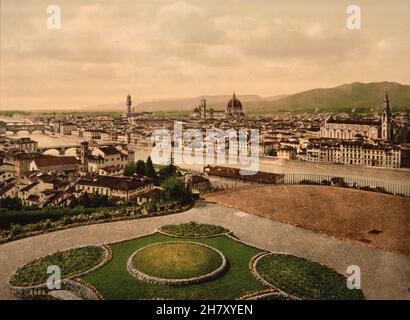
(401, 176)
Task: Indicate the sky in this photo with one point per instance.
(160, 49)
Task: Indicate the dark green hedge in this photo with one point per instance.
(24, 217)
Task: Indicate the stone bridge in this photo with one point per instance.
(30, 128)
(60, 149)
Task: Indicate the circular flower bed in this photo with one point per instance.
(176, 263)
(71, 262)
(193, 230)
(303, 278)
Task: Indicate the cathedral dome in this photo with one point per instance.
(234, 106)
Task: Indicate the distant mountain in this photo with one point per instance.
(358, 96)
(362, 97)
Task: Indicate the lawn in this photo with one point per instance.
(176, 260)
(305, 279)
(114, 281)
(71, 262)
(193, 229)
(164, 256)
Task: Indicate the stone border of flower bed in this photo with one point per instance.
(279, 292)
(267, 293)
(176, 282)
(72, 283)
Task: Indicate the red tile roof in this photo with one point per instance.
(55, 161)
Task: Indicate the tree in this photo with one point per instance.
(168, 171)
(140, 167)
(85, 200)
(173, 189)
(129, 169)
(10, 203)
(149, 168)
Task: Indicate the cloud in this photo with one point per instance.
(164, 48)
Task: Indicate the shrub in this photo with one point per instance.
(16, 229)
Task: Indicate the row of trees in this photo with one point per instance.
(141, 168)
(95, 201)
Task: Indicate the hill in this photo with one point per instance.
(363, 97)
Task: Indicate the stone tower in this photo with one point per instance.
(202, 108)
(386, 120)
(84, 155)
(129, 104)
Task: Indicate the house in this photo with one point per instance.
(149, 195)
(23, 144)
(286, 152)
(121, 187)
(53, 163)
(66, 128)
(5, 176)
(9, 190)
(108, 158)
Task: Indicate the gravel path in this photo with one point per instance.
(385, 275)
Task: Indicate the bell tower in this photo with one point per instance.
(129, 104)
(386, 120)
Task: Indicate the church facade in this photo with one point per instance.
(348, 129)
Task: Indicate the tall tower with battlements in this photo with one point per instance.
(386, 120)
(129, 105)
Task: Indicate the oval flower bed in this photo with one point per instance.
(193, 230)
(71, 262)
(176, 263)
(303, 278)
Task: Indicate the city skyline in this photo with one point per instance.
(164, 49)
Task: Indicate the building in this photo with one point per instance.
(347, 128)
(5, 176)
(286, 152)
(358, 152)
(9, 190)
(53, 163)
(129, 105)
(23, 144)
(234, 107)
(235, 174)
(22, 162)
(130, 116)
(121, 187)
(324, 151)
(109, 158)
(201, 112)
(386, 126)
(66, 128)
(364, 154)
(93, 134)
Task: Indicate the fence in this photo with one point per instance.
(364, 184)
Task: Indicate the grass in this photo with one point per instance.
(193, 229)
(71, 262)
(305, 279)
(114, 281)
(177, 260)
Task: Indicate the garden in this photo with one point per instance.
(17, 221)
(217, 265)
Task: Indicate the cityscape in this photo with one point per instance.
(293, 195)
